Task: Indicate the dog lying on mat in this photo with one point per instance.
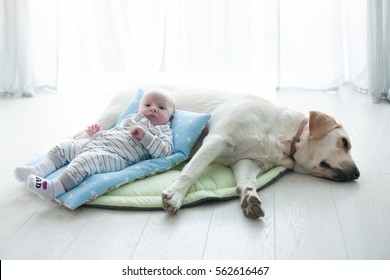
(252, 135)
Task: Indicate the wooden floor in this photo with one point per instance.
(306, 217)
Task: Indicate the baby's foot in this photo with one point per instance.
(47, 190)
(42, 169)
(22, 172)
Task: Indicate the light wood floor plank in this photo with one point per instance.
(46, 235)
(179, 236)
(306, 223)
(233, 236)
(108, 234)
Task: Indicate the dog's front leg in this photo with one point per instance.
(173, 195)
(245, 173)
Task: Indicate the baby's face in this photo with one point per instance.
(157, 107)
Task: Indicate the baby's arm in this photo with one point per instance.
(159, 145)
(93, 129)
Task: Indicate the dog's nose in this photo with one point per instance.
(356, 173)
(348, 175)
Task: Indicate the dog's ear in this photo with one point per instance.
(320, 124)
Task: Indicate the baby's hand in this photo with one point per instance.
(93, 129)
(137, 132)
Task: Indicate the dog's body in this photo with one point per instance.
(251, 135)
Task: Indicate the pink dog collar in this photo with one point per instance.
(297, 138)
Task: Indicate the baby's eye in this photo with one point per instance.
(161, 107)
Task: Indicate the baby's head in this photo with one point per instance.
(158, 106)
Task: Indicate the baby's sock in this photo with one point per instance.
(46, 189)
(42, 169)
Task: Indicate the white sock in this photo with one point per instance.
(46, 189)
(42, 169)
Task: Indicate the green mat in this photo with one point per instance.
(216, 183)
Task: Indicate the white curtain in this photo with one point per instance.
(214, 35)
(120, 40)
(311, 45)
(28, 46)
(104, 36)
(325, 44)
(379, 49)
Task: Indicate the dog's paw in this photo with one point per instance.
(251, 207)
(171, 201)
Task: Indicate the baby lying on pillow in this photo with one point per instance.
(138, 137)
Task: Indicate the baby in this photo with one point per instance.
(138, 137)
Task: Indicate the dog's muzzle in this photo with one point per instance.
(346, 175)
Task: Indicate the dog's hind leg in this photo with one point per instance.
(245, 173)
(173, 195)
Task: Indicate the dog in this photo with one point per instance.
(252, 135)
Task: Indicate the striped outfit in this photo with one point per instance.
(111, 150)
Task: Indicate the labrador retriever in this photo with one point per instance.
(252, 135)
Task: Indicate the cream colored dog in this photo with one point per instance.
(252, 135)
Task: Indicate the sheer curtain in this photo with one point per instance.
(379, 49)
(52, 44)
(105, 41)
(204, 35)
(119, 36)
(325, 44)
(28, 46)
(310, 45)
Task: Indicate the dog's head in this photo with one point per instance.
(324, 150)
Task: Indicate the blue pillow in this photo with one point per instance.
(132, 107)
(186, 127)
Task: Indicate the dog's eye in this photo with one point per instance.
(324, 164)
(345, 142)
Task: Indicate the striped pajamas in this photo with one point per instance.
(111, 150)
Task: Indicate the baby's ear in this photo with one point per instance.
(171, 118)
